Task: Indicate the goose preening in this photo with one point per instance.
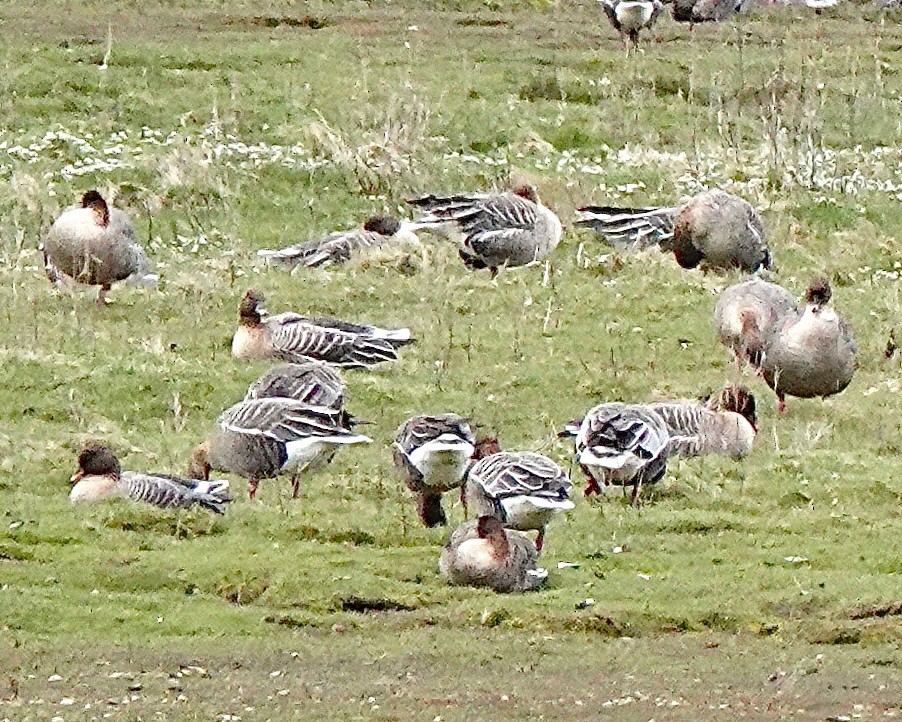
(755, 299)
(499, 229)
(96, 245)
(630, 16)
(100, 477)
(292, 337)
(705, 11)
(432, 455)
(316, 383)
(621, 444)
(340, 246)
(713, 230)
(263, 438)
(482, 553)
(523, 490)
(725, 424)
(807, 353)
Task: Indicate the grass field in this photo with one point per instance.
(767, 589)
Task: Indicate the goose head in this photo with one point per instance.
(383, 225)
(96, 459)
(95, 201)
(251, 309)
(199, 466)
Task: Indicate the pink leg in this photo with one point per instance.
(781, 404)
(463, 499)
(540, 540)
(295, 486)
(252, 488)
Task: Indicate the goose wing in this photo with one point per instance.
(335, 248)
(509, 474)
(420, 430)
(614, 435)
(175, 492)
(314, 382)
(284, 420)
(642, 227)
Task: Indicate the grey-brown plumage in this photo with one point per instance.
(432, 455)
(713, 230)
(764, 302)
(704, 11)
(629, 17)
(100, 477)
(295, 338)
(482, 553)
(263, 438)
(316, 383)
(96, 245)
(499, 229)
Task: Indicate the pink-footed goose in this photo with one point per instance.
(292, 337)
(95, 244)
(100, 477)
(482, 553)
(316, 383)
(629, 17)
(499, 229)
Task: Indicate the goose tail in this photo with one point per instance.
(620, 227)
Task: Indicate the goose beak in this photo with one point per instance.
(77, 476)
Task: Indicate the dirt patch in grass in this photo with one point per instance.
(884, 610)
(364, 605)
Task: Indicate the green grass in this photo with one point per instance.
(703, 605)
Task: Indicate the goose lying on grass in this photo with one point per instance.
(523, 490)
(292, 337)
(100, 477)
(432, 455)
(482, 553)
(264, 438)
(499, 229)
(340, 246)
(713, 230)
(96, 245)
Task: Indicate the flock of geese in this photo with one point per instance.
(293, 419)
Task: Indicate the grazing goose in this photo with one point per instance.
(500, 229)
(432, 455)
(264, 438)
(338, 247)
(99, 477)
(295, 338)
(808, 354)
(621, 444)
(96, 245)
(725, 424)
(705, 11)
(714, 230)
(765, 302)
(482, 553)
(523, 490)
(630, 16)
(316, 383)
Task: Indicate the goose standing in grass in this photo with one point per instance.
(339, 247)
(765, 303)
(264, 438)
(482, 553)
(807, 354)
(316, 383)
(100, 477)
(621, 444)
(713, 230)
(292, 337)
(499, 229)
(523, 490)
(96, 245)
(630, 16)
(432, 455)
(725, 424)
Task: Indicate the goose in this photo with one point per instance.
(338, 247)
(432, 455)
(263, 438)
(521, 489)
(500, 229)
(630, 16)
(725, 424)
(621, 444)
(482, 553)
(100, 477)
(713, 230)
(705, 11)
(291, 337)
(754, 298)
(807, 354)
(316, 383)
(95, 244)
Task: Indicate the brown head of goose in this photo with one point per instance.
(482, 553)
(95, 244)
(100, 477)
(713, 230)
(263, 438)
(432, 455)
(511, 228)
(292, 337)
